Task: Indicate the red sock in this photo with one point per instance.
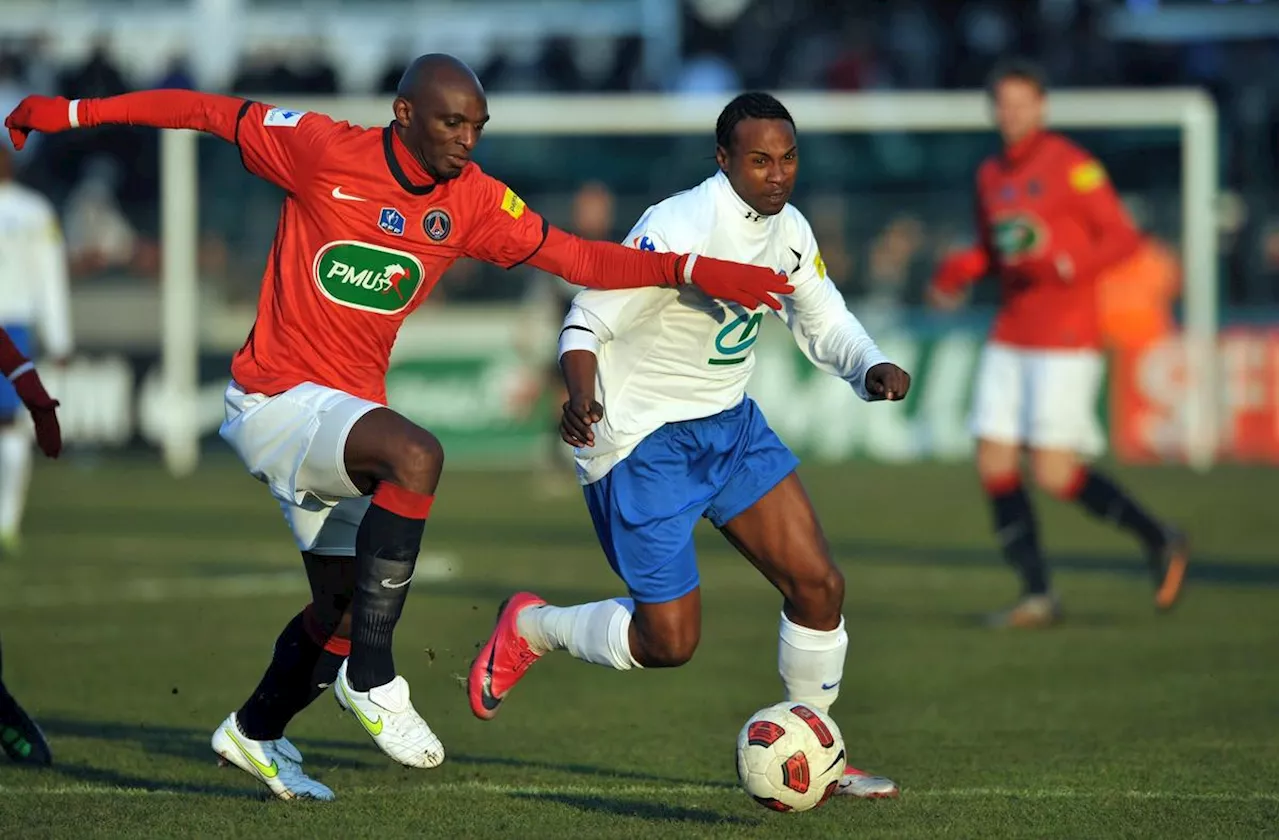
(403, 502)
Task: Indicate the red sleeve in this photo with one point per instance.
(605, 265)
(1112, 233)
(11, 357)
(277, 144)
(512, 234)
(508, 231)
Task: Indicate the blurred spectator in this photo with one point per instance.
(99, 237)
(98, 76)
(177, 75)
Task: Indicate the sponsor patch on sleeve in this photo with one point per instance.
(1087, 176)
(819, 265)
(283, 117)
(512, 204)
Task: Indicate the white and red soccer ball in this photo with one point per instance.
(791, 757)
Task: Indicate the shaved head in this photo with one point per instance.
(436, 69)
(440, 110)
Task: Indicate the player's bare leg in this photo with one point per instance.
(1061, 473)
(307, 656)
(15, 476)
(618, 633)
(780, 535)
(400, 463)
(1014, 520)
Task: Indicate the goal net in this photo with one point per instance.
(886, 180)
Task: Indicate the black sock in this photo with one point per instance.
(301, 669)
(387, 547)
(1103, 497)
(1019, 538)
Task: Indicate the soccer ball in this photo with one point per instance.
(790, 757)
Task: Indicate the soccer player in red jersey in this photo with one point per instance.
(1049, 223)
(371, 219)
(20, 737)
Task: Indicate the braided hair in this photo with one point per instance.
(748, 106)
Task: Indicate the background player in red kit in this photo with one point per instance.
(1049, 223)
(371, 220)
(20, 736)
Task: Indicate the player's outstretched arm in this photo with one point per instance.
(955, 274)
(208, 112)
(605, 265)
(19, 370)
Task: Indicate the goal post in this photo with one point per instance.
(1190, 111)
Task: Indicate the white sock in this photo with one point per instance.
(15, 473)
(597, 632)
(811, 662)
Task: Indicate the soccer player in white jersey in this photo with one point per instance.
(33, 303)
(677, 438)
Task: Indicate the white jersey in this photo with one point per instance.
(667, 355)
(33, 268)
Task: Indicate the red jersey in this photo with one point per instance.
(363, 236)
(1049, 221)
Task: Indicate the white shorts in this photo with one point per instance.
(1045, 399)
(294, 443)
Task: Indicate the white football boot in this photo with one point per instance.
(277, 764)
(864, 785)
(390, 719)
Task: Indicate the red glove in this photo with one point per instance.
(960, 269)
(749, 285)
(49, 114)
(42, 407)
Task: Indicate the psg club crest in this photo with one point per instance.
(391, 221)
(437, 225)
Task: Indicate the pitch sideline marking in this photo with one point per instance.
(431, 567)
(668, 791)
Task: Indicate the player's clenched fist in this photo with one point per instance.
(578, 416)
(748, 285)
(887, 381)
(49, 114)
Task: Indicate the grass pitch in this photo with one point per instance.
(143, 610)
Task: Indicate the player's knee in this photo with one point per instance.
(418, 462)
(1055, 474)
(670, 648)
(996, 461)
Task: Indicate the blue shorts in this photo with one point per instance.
(646, 507)
(9, 402)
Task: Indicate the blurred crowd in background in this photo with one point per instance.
(884, 207)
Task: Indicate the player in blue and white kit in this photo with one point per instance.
(677, 439)
(33, 302)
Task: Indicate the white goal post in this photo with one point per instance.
(1190, 111)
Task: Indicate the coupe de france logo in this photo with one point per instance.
(391, 221)
(283, 117)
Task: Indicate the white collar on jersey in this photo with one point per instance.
(732, 199)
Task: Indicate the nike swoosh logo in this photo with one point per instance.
(826, 687)
(373, 727)
(389, 585)
(839, 759)
(268, 770)
(341, 196)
